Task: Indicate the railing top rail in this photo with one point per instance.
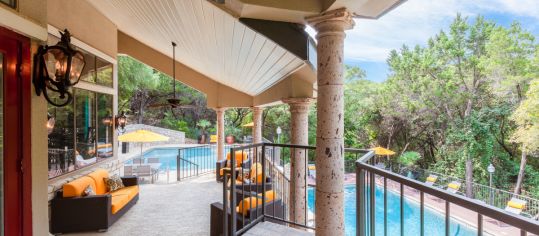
(479, 207)
(190, 162)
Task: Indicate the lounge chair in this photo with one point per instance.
(431, 180)
(252, 182)
(516, 206)
(453, 187)
(153, 160)
(128, 171)
(247, 210)
(242, 160)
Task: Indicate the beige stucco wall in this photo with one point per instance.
(85, 23)
(40, 219)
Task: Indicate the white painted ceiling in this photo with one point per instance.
(209, 40)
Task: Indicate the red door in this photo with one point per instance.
(16, 182)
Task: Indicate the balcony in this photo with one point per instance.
(387, 202)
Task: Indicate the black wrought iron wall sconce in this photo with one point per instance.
(58, 68)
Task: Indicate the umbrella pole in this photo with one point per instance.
(140, 162)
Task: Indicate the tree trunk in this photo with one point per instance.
(469, 177)
(520, 179)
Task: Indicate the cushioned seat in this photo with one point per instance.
(76, 187)
(118, 202)
(130, 192)
(99, 178)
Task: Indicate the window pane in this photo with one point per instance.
(104, 72)
(61, 136)
(88, 73)
(105, 128)
(85, 117)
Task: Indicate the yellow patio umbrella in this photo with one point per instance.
(251, 124)
(382, 151)
(142, 136)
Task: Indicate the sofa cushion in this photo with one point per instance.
(130, 192)
(98, 176)
(118, 202)
(256, 173)
(76, 187)
(247, 204)
(114, 183)
(240, 157)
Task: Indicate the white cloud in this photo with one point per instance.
(416, 20)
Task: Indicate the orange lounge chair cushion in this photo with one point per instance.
(118, 202)
(241, 156)
(77, 186)
(99, 177)
(516, 205)
(130, 192)
(256, 173)
(251, 202)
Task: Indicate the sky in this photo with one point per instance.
(368, 44)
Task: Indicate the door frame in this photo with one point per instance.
(17, 133)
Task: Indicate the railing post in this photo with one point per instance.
(263, 181)
(233, 190)
(178, 165)
(225, 206)
(360, 199)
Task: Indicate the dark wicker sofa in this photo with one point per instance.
(91, 213)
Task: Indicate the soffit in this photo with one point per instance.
(297, 10)
(210, 40)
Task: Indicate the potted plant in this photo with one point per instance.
(409, 159)
(203, 124)
(232, 133)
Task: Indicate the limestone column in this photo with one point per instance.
(257, 121)
(330, 27)
(220, 133)
(299, 123)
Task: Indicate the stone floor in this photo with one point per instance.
(271, 229)
(179, 208)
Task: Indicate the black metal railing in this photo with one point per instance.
(374, 183)
(286, 207)
(195, 161)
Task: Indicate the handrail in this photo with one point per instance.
(523, 223)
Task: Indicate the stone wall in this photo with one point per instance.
(176, 137)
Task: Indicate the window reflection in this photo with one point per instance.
(105, 125)
(81, 133)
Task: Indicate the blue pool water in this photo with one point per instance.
(204, 157)
(434, 221)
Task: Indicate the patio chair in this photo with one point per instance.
(145, 170)
(138, 160)
(453, 187)
(247, 210)
(128, 171)
(516, 206)
(431, 180)
(242, 160)
(153, 160)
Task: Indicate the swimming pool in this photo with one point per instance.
(434, 221)
(205, 157)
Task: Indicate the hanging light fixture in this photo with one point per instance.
(57, 68)
(120, 122)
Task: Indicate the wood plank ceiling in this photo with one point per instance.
(209, 40)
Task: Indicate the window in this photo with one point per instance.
(10, 3)
(80, 134)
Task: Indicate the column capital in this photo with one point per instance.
(300, 105)
(220, 109)
(257, 109)
(331, 22)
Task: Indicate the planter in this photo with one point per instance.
(229, 139)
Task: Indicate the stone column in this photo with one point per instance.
(330, 27)
(299, 123)
(257, 121)
(220, 133)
